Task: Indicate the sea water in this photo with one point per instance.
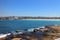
(13, 25)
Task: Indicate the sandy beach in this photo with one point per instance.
(43, 19)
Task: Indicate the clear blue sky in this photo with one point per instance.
(30, 8)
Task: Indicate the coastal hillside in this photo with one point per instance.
(19, 18)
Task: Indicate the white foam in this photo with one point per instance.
(31, 30)
(4, 35)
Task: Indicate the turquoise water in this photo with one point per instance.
(12, 25)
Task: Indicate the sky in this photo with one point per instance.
(48, 8)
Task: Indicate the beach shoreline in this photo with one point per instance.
(43, 19)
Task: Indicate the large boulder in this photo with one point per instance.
(54, 28)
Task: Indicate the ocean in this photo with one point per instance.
(13, 25)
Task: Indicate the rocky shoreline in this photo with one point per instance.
(47, 33)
